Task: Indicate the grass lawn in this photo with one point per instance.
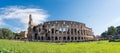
(12, 46)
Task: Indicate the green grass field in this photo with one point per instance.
(12, 46)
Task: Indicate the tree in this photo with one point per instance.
(1, 34)
(112, 30)
(6, 33)
(104, 34)
(118, 30)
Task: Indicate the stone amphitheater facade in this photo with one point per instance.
(59, 30)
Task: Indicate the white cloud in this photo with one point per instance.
(22, 13)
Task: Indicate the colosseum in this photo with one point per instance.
(59, 30)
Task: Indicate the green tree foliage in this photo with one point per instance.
(1, 33)
(6, 33)
(112, 30)
(104, 34)
(118, 29)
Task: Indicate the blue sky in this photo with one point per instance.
(96, 14)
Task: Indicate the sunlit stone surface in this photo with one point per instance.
(59, 30)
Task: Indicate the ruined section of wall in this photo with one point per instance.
(23, 34)
(30, 28)
(59, 30)
(62, 30)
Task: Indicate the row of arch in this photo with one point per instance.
(52, 38)
(63, 22)
(68, 31)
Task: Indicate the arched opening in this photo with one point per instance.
(82, 38)
(78, 38)
(49, 30)
(68, 32)
(52, 30)
(59, 38)
(56, 38)
(42, 38)
(64, 38)
(75, 38)
(71, 38)
(48, 38)
(43, 26)
(72, 31)
(46, 30)
(79, 32)
(34, 28)
(36, 35)
(56, 31)
(75, 30)
(85, 38)
(52, 38)
(39, 29)
(68, 38)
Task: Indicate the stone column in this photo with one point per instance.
(47, 30)
(76, 29)
(79, 31)
(37, 33)
(62, 28)
(73, 30)
(70, 32)
(70, 29)
(85, 33)
(50, 33)
(54, 29)
(58, 30)
(82, 33)
(32, 36)
(53, 32)
(66, 28)
(61, 35)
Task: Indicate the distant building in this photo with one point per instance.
(97, 37)
(22, 34)
(59, 30)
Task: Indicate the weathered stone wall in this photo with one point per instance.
(62, 30)
(59, 30)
